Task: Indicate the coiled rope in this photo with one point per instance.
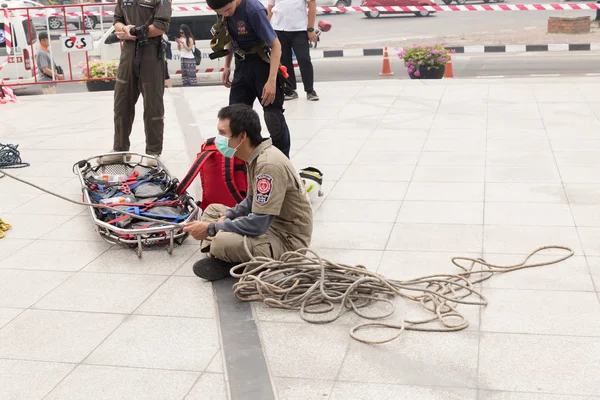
(314, 285)
(10, 157)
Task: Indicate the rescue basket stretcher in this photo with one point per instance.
(134, 186)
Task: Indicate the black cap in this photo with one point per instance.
(43, 35)
(217, 4)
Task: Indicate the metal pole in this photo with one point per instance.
(597, 12)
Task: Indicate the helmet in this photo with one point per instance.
(312, 179)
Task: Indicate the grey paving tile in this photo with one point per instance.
(445, 191)
(357, 211)
(589, 240)
(66, 336)
(535, 145)
(383, 173)
(24, 288)
(520, 158)
(532, 174)
(141, 342)
(457, 121)
(537, 214)
(586, 214)
(436, 237)
(54, 255)
(406, 361)
(297, 360)
(79, 228)
(99, 382)
(510, 93)
(8, 314)
(539, 364)
(584, 193)
(209, 387)
(417, 119)
(449, 174)
(377, 157)
(406, 265)
(346, 190)
(216, 365)
(452, 158)
(94, 292)
(368, 391)
(570, 274)
(14, 200)
(302, 389)
(399, 134)
(525, 239)
(571, 144)
(527, 311)
(11, 246)
(32, 227)
(397, 144)
(441, 212)
(495, 133)
(525, 192)
(181, 296)
(489, 395)
(455, 145)
(350, 235)
(462, 133)
(28, 380)
(154, 262)
(577, 158)
(319, 152)
(499, 121)
(342, 134)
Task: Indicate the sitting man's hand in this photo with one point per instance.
(197, 229)
(222, 219)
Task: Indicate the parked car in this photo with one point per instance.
(448, 2)
(91, 21)
(333, 3)
(397, 3)
(53, 21)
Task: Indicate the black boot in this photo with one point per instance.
(212, 269)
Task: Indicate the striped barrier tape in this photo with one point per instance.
(411, 9)
(6, 93)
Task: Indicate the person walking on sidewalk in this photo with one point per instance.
(257, 56)
(294, 25)
(140, 26)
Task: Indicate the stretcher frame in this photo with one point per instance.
(112, 234)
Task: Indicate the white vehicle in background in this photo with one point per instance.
(21, 63)
(108, 47)
(50, 19)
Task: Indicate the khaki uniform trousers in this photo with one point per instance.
(229, 246)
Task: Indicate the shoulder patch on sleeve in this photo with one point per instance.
(264, 187)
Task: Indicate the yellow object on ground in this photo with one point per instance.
(4, 227)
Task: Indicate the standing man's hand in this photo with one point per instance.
(312, 37)
(225, 77)
(125, 34)
(268, 93)
(222, 219)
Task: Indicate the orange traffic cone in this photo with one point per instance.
(449, 73)
(386, 69)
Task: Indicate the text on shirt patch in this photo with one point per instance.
(264, 185)
(241, 28)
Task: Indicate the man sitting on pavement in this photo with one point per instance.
(276, 215)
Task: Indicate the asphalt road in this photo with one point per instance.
(356, 30)
(464, 66)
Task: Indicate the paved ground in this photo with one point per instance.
(416, 173)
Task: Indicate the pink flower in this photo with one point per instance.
(417, 73)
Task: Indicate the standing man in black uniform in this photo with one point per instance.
(254, 77)
(140, 24)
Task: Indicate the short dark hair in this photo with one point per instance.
(218, 4)
(243, 118)
(43, 35)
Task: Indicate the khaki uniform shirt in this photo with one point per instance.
(144, 12)
(277, 190)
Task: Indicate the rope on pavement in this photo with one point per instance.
(314, 285)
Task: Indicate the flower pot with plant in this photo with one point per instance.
(425, 62)
(96, 69)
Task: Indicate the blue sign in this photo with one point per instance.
(2, 37)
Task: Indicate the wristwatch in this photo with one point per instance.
(310, 29)
(211, 230)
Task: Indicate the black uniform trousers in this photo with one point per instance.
(297, 41)
(249, 79)
(148, 79)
